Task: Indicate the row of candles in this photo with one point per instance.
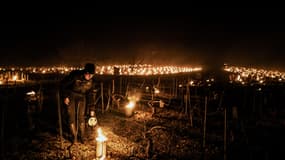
(238, 74)
(146, 69)
(13, 74)
(141, 69)
(244, 74)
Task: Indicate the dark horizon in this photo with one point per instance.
(202, 37)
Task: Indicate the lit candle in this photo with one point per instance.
(130, 108)
(15, 79)
(101, 145)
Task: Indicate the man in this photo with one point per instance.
(75, 88)
(33, 102)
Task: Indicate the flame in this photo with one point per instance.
(31, 93)
(156, 91)
(101, 137)
(15, 78)
(131, 105)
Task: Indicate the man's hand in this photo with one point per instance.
(66, 101)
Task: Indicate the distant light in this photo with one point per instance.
(31, 93)
(156, 91)
(15, 78)
(130, 105)
(147, 88)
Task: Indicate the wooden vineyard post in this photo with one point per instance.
(120, 85)
(173, 87)
(190, 107)
(109, 99)
(186, 99)
(59, 118)
(204, 125)
(113, 86)
(225, 134)
(102, 96)
(3, 109)
(127, 89)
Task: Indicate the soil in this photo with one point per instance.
(152, 132)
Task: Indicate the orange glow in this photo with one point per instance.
(242, 74)
(101, 145)
(101, 137)
(131, 105)
(156, 91)
(15, 78)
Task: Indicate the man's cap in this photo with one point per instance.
(90, 68)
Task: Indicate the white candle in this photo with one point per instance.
(130, 108)
(101, 145)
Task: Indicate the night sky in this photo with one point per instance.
(242, 36)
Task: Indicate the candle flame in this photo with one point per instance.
(131, 104)
(101, 137)
(31, 93)
(15, 78)
(156, 91)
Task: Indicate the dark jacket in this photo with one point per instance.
(75, 83)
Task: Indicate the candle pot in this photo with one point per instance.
(129, 112)
(101, 149)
